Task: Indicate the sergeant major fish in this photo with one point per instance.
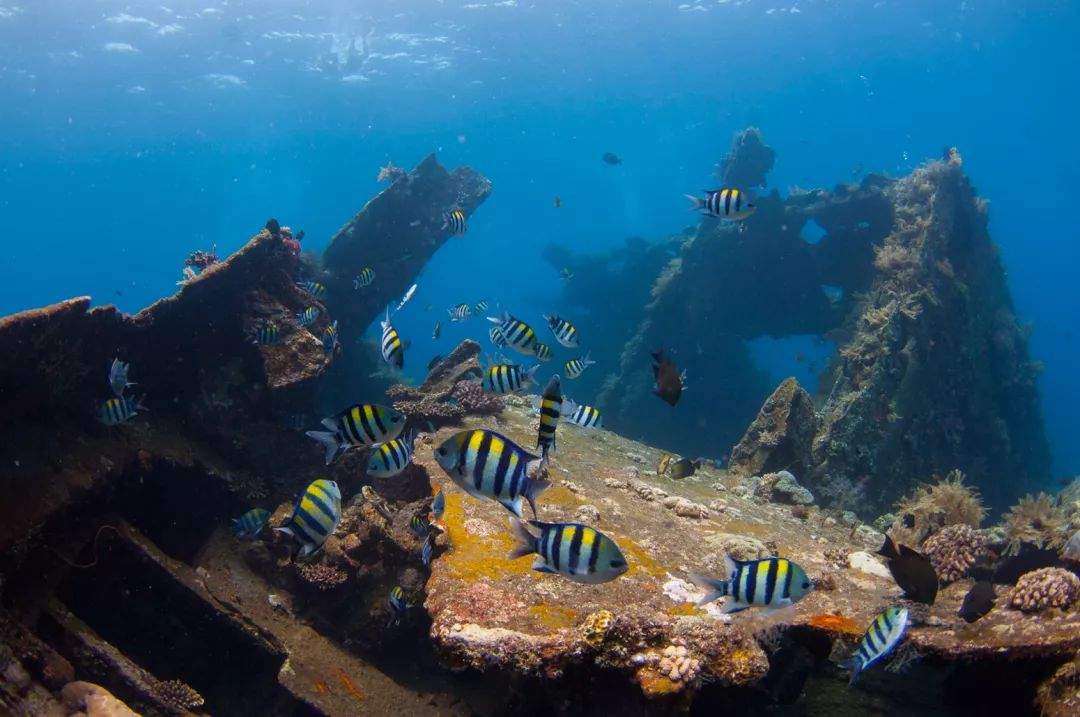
(266, 334)
(251, 523)
(885, 631)
(398, 606)
(118, 375)
(461, 312)
(364, 278)
(551, 407)
(542, 351)
(455, 221)
(725, 203)
(496, 336)
(581, 415)
(393, 350)
(506, 378)
(486, 464)
(581, 553)
(565, 332)
(518, 335)
(390, 458)
(576, 366)
(330, 338)
(315, 516)
(772, 583)
(363, 424)
(115, 411)
(312, 287)
(481, 306)
(308, 316)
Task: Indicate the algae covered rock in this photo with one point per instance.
(780, 437)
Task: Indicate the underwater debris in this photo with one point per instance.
(953, 551)
(1048, 587)
(180, 694)
(322, 576)
(932, 507)
(1035, 519)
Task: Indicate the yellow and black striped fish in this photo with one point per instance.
(363, 424)
(455, 222)
(543, 351)
(115, 411)
(726, 203)
(390, 457)
(308, 316)
(496, 336)
(364, 278)
(481, 306)
(503, 378)
(885, 631)
(550, 410)
(330, 338)
(486, 464)
(315, 516)
(393, 350)
(576, 366)
(461, 312)
(517, 334)
(398, 606)
(581, 415)
(565, 332)
(772, 583)
(581, 553)
(312, 287)
(266, 335)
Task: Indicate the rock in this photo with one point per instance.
(781, 487)
(867, 563)
(93, 700)
(781, 435)
(689, 509)
(738, 547)
(587, 514)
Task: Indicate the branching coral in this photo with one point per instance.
(180, 694)
(953, 551)
(390, 173)
(1047, 587)
(324, 577)
(1036, 520)
(471, 396)
(932, 507)
(420, 406)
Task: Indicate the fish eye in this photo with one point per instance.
(618, 563)
(395, 419)
(806, 585)
(442, 451)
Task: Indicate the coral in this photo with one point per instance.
(389, 173)
(932, 507)
(1043, 588)
(181, 694)
(323, 577)
(674, 665)
(596, 626)
(686, 508)
(953, 551)
(1036, 520)
(782, 487)
(424, 407)
(475, 401)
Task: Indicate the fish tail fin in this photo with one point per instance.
(530, 376)
(714, 588)
(536, 487)
(286, 530)
(588, 358)
(329, 441)
(236, 529)
(525, 541)
(695, 202)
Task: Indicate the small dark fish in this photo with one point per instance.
(669, 381)
(437, 332)
(611, 158)
(911, 570)
(978, 601)
(273, 227)
(558, 202)
(684, 468)
(1030, 558)
(434, 360)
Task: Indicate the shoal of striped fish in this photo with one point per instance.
(330, 338)
(576, 366)
(312, 287)
(251, 523)
(363, 424)
(565, 332)
(115, 411)
(390, 458)
(551, 406)
(461, 312)
(502, 378)
(315, 516)
(772, 583)
(438, 505)
(455, 222)
(486, 464)
(496, 336)
(438, 330)
(393, 350)
(267, 334)
(885, 632)
(726, 203)
(518, 335)
(118, 377)
(364, 278)
(481, 306)
(578, 552)
(308, 316)
(542, 351)
(581, 415)
(398, 606)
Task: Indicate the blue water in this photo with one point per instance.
(133, 134)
